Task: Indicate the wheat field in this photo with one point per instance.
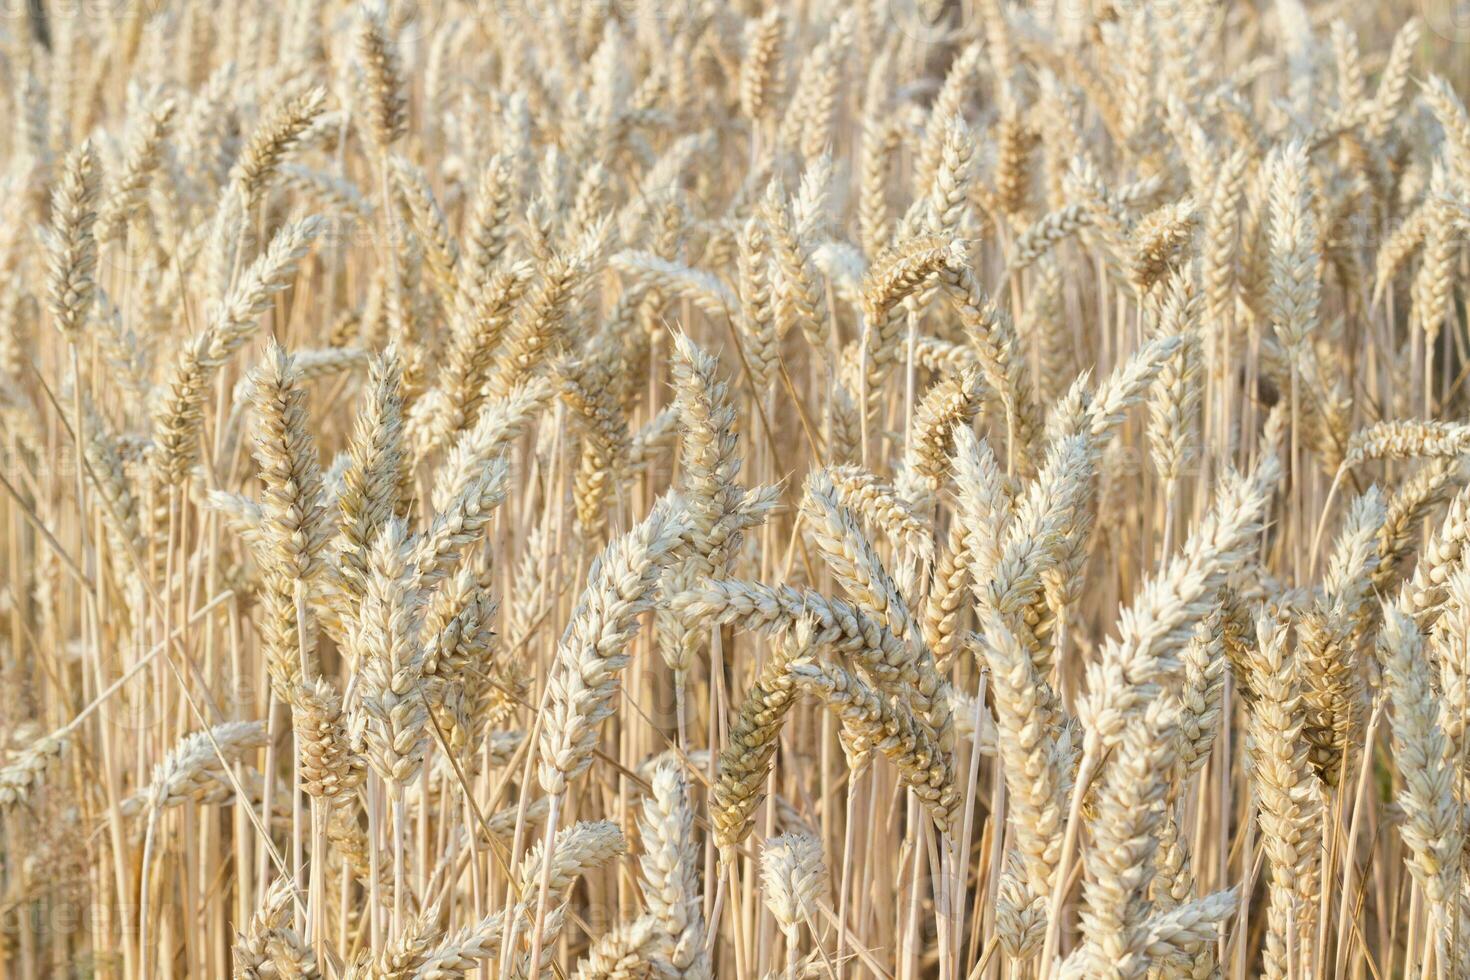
(781, 488)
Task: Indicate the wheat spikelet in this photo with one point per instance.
(793, 876)
(751, 741)
(471, 495)
(1174, 403)
(1118, 874)
(592, 650)
(479, 324)
(1020, 917)
(669, 869)
(798, 298)
(1294, 292)
(194, 769)
(1418, 493)
(757, 311)
(951, 403)
(268, 946)
(370, 483)
(880, 139)
(329, 765)
(485, 237)
(539, 324)
(410, 949)
(381, 79)
(21, 776)
(1201, 695)
(1448, 653)
(1288, 799)
(71, 244)
(761, 68)
(994, 341)
(1158, 241)
(862, 493)
(1434, 829)
(892, 280)
(579, 849)
(852, 559)
(845, 629)
(142, 160)
(1407, 439)
(1154, 629)
(587, 389)
(944, 605)
(1172, 935)
(279, 130)
(384, 640)
(625, 953)
(1327, 637)
(946, 204)
(441, 250)
(463, 950)
(1431, 289)
(1038, 769)
(295, 524)
(893, 727)
(720, 510)
(1441, 555)
(1393, 83)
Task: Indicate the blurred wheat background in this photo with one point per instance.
(576, 488)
